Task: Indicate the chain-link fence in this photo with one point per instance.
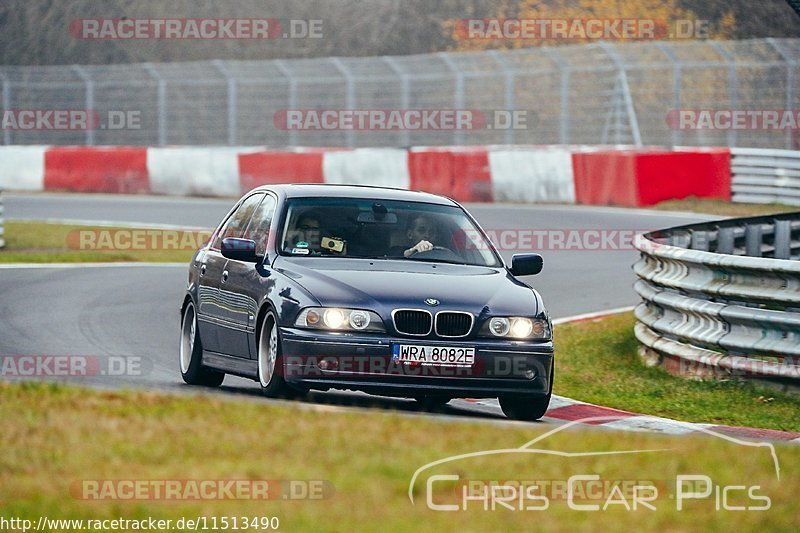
(585, 94)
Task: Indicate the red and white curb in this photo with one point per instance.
(564, 409)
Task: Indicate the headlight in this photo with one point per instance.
(499, 326)
(339, 319)
(517, 328)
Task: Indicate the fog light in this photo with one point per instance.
(530, 374)
(328, 364)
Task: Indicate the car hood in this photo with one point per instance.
(383, 285)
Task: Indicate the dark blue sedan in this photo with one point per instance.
(387, 291)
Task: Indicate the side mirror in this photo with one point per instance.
(240, 250)
(526, 264)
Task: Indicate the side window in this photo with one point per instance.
(258, 230)
(237, 222)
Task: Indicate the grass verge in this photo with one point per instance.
(40, 242)
(723, 208)
(56, 438)
(597, 362)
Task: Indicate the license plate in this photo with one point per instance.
(433, 355)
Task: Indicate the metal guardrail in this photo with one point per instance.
(722, 299)
(765, 176)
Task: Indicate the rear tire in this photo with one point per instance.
(191, 354)
(270, 361)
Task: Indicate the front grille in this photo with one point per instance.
(411, 322)
(453, 324)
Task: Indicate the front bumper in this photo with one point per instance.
(324, 360)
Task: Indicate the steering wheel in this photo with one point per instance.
(438, 252)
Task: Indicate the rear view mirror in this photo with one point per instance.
(369, 217)
(240, 250)
(526, 264)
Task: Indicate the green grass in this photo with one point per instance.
(597, 362)
(55, 437)
(723, 208)
(40, 242)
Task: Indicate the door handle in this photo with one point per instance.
(224, 276)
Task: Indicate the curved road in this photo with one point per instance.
(131, 311)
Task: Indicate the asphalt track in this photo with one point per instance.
(132, 311)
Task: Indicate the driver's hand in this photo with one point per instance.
(421, 246)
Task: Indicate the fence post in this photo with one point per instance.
(509, 91)
(231, 100)
(628, 99)
(350, 96)
(458, 95)
(405, 95)
(291, 104)
(677, 89)
(89, 101)
(566, 75)
(6, 105)
(162, 103)
(733, 86)
(2, 222)
(791, 85)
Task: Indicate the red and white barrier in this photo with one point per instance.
(530, 174)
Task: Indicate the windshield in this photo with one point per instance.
(383, 229)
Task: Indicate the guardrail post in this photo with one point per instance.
(2, 222)
(726, 240)
(783, 239)
(700, 240)
(753, 240)
(681, 240)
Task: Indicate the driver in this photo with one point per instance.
(423, 232)
(307, 233)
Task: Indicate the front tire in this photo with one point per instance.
(527, 409)
(432, 403)
(270, 362)
(191, 354)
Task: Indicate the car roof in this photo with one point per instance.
(368, 192)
